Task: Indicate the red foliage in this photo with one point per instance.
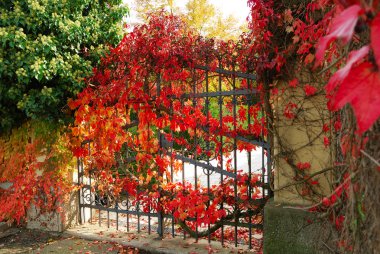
(361, 89)
(124, 90)
(375, 38)
(341, 74)
(309, 90)
(342, 28)
(303, 165)
(33, 182)
(357, 85)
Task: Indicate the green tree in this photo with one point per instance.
(47, 48)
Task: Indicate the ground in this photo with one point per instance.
(20, 240)
(90, 238)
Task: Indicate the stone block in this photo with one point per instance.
(292, 231)
(54, 221)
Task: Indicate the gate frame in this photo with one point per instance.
(86, 199)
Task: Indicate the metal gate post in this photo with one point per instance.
(160, 228)
(79, 192)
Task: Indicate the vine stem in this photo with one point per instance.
(320, 203)
(370, 157)
(306, 179)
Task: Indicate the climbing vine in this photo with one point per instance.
(34, 165)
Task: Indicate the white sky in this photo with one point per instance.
(237, 8)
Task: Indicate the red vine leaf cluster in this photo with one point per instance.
(140, 98)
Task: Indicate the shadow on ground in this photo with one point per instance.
(20, 240)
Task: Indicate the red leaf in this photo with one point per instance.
(242, 114)
(342, 28)
(326, 202)
(339, 222)
(349, 2)
(340, 75)
(289, 110)
(325, 128)
(79, 152)
(293, 83)
(326, 141)
(303, 166)
(309, 90)
(337, 125)
(361, 89)
(73, 104)
(375, 38)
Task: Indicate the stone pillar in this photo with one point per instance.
(288, 228)
(15, 143)
(55, 221)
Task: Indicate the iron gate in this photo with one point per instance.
(220, 87)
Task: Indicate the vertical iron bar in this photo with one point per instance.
(127, 194)
(183, 176)
(82, 181)
(127, 207)
(208, 149)
(221, 144)
(172, 178)
(89, 176)
(195, 153)
(269, 170)
(108, 214)
(149, 226)
(90, 199)
(138, 214)
(269, 166)
(99, 218)
(117, 215)
(160, 215)
(183, 184)
(249, 172)
(171, 159)
(263, 180)
(235, 160)
(108, 219)
(80, 190)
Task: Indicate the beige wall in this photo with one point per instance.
(300, 140)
